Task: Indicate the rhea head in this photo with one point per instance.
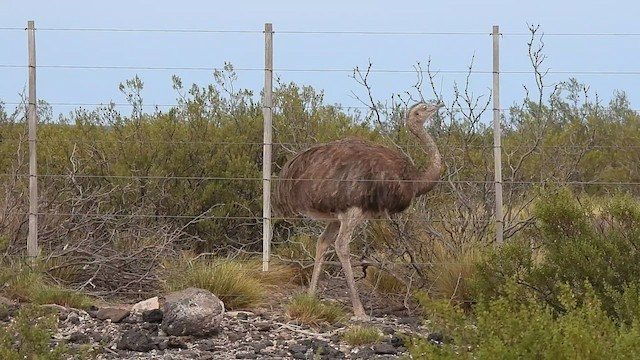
(421, 112)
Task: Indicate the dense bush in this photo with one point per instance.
(568, 289)
(510, 327)
(572, 245)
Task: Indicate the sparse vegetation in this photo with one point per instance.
(451, 273)
(384, 282)
(28, 336)
(23, 282)
(361, 335)
(308, 309)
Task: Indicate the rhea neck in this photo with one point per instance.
(429, 176)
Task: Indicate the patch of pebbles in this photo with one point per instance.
(242, 335)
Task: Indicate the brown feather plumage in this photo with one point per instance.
(334, 177)
(348, 180)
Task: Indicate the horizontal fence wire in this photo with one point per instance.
(336, 70)
(323, 32)
(275, 179)
(336, 106)
(256, 219)
(442, 147)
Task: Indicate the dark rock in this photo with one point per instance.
(396, 341)
(150, 328)
(93, 313)
(436, 337)
(388, 330)
(384, 349)
(242, 316)
(152, 316)
(176, 343)
(260, 345)
(323, 350)
(79, 338)
(234, 336)
(7, 312)
(136, 340)
(192, 311)
(100, 337)
(116, 315)
(363, 353)
(298, 351)
(73, 318)
(409, 321)
(246, 355)
(208, 345)
(263, 326)
(162, 343)
(189, 354)
(299, 356)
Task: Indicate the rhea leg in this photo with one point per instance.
(327, 238)
(348, 223)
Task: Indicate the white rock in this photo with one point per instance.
(145, 305)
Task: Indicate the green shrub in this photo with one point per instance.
(512, 328)
(573, 246)
(29, 336)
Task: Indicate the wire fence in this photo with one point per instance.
(472, 209)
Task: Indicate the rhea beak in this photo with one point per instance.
(439, 104)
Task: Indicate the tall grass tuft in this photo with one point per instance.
(308, 309)
(232, 281)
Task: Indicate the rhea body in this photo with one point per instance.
(347, 181)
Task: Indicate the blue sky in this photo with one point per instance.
(604, 62)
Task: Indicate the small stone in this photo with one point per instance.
(73, 318)
(151, 329)
(79, 338)
(207, 345)
(116, 315)
(260, 345)
(384, 349)
(101, 338)
(7, 312)
(362, 353)
(436, 337)
(299, 356)
(396, 341)
(388, 330)
(409, 321)
(243, 316)
(246, 355)
(325, 351)
(146, 305)
(297, 348)
(263, 326)
(162, 344)
(234, 336)
(6, 301)
(152, 316)
(175, 342)
(135, 340)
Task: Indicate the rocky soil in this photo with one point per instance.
(265, 333)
